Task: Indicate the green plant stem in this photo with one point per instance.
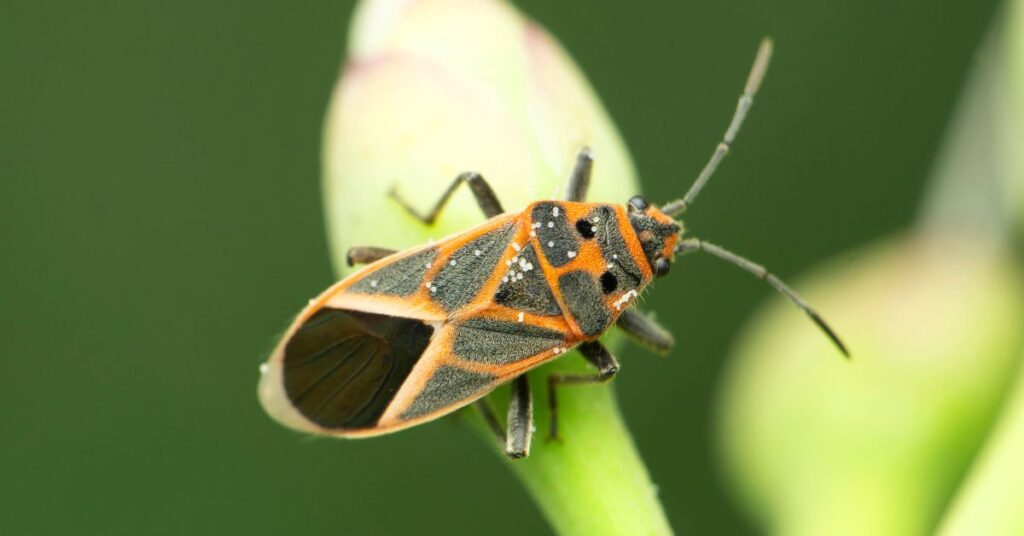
(592, 481)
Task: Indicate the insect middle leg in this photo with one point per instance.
(482, 191)
(516, 440)
(366, 254)
(579, 181)
(597, 355)
(645, 330)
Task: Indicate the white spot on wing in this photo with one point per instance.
(521, 316)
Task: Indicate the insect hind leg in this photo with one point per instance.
(520, 419)
(579, 180)
(596, 354)
(491, 419)
(516, 440)
(482, 191)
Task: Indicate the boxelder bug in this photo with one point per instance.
(417, 334)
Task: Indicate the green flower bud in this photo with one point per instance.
(989, 500)
(434, 88)
(876, 445)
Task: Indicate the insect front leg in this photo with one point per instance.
(366, 254)
(482, 191)
(597, 355)
(579, 181)
(645, 330)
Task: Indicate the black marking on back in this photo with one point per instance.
(529, 293)
(399, 278)
(613, 246)
(498, 342)
(609, 282)
(586, 229)
(583, 298)
(457, 284)
(342, 368)
(558, 240)
(447, 386)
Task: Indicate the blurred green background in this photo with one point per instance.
(160, 223)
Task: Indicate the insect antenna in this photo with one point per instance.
(764, 54)
(696, 244)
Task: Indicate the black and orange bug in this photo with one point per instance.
(420, 333)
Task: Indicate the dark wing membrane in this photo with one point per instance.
(341, 368)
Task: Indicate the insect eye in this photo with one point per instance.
(585, 228)
(609, 282)
(637, 203)
(661, 266)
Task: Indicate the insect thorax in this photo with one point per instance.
(595, 262)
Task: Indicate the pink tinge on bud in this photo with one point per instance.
(434, 88)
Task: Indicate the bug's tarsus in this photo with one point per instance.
(696, 244)
(482, 191)
(599, 356)
(520, 419)
(366, 254)
(646, 330)
(754, 79)
(579, 180)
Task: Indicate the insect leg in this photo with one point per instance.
(481, 191)
(760, 272)
(491, 418)
(645, 330)
(366, 254)
(579, 181)
(520, 419)
(597, 355)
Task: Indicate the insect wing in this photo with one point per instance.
(407, 339)
(469, 358)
